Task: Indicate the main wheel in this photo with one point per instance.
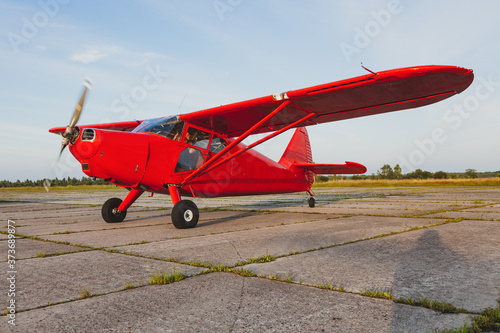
(110, 212)
(311, 202)
(185, 214)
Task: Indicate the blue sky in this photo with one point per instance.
(213, 52)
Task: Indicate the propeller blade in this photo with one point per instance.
(78, 110)
(46, 184)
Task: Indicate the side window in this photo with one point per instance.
(217, 144)
(196, 137)
(189, 159)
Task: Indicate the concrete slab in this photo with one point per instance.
(95, 222)
(229, 303)
(229, 248)
(455, 263)
(441, 263)
(61, 278)
(486, 209)
(320, 209)
(29, 248)
(238, 221)
(468, 215)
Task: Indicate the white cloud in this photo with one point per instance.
(93, 53)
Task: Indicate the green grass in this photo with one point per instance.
(433, 305)
(337, 287)
(377, 293)
(486, 321)
(163, 277)
(260, 260)
(244, 272)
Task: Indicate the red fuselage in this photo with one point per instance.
(149, 161)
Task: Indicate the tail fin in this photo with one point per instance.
(298, 150)
(298, 158)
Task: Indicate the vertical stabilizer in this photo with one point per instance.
(298, 151)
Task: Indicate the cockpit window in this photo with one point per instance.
(217, 144)
(197, 138)
(170, 127)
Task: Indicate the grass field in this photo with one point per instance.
(410, 182)
(332, 183)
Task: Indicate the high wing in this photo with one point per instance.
(381, 92)
(119, 126)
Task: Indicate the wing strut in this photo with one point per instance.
(235, 142)
(256, 143)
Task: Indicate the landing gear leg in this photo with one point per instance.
(185, 213)
(114, 210)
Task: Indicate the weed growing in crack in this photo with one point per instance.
(85, 293)
(377, 293)
(433, 305)
(260, 260)
(163, 277)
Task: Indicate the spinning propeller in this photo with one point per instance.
(70, 135)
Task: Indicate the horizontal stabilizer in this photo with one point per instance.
(333, 169)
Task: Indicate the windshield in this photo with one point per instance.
(169, 127)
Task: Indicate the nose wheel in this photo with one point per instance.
(312, 202)
(185, 214)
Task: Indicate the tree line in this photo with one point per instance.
(54, 182)
(388, 172)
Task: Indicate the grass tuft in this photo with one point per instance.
(163, 277)
(377, 293)
(85, 293)
(433, 305)
(244, 272)
(260, 260)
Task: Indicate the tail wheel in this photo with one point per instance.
(185, 214)
(312, 202)
(110, 211)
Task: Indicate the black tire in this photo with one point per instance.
(185, 214)
(312, 202)
(109, 211)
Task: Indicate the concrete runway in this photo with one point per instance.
(76, 273)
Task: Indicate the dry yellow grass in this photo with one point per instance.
(410, 182)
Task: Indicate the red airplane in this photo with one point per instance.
(200, 154)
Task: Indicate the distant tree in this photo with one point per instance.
(470, 173)
(321, 178)
(386, 172)
(398, 173)
(440, 175)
